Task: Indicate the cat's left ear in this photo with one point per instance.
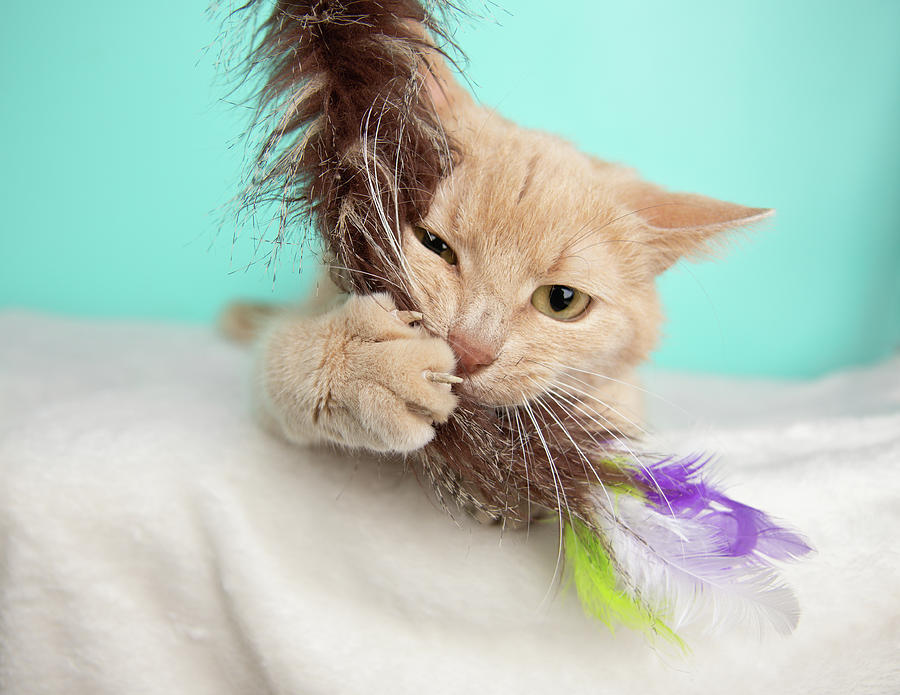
(446, 94)
(674, 225)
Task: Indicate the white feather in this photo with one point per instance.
(676, 567)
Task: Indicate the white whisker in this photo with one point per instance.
(636, 387)
(599, 400)
(581, 453)
(522, 441)
(363, 272)
(557, 487)
(374, 191)
(619, 440)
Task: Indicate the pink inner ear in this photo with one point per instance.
(664, 210)
(446, 93)
(439, 83)
(438, 91)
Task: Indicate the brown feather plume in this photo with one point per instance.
(359, 149)
(355, 148)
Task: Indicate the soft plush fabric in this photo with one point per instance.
(154, 540)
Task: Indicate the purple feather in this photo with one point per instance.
(677, 487)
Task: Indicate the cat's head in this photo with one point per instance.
(535, 259)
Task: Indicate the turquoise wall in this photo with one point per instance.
(117, 154)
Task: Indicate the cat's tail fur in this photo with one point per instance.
(242, 322)
(355, 142)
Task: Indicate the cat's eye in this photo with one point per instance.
(433, 242)
(560, 302)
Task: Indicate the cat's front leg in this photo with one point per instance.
(360, 376)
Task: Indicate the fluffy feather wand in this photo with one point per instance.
(358, 148)
(668, 547)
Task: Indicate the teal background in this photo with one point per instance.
(118, 153)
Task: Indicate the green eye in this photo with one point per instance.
(432, 242)
(560, 302)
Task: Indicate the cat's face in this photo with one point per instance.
(535, 260)
(523, 214)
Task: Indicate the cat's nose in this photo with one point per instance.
(472, 353)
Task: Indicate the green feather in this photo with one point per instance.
(598, 589)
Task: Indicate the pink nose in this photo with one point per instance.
(473, 354)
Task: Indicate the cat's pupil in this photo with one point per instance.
(560, 297)
(560, 302)
(435, 243)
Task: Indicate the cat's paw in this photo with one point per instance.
(391, 376)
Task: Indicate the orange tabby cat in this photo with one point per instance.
(528, 274)
(534, 267)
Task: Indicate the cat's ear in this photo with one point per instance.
(445, 91)
(674, 225)
(440, 85)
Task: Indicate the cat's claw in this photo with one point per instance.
(408, 317)
(441, 377)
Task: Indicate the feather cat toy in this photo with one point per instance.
(462, 241)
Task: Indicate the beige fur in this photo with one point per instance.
(522, 209)
(356, 376)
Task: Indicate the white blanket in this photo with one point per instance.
(155, 541)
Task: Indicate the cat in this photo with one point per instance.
(493, 291)
(521, 286)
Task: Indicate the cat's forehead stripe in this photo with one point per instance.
(529, 176)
